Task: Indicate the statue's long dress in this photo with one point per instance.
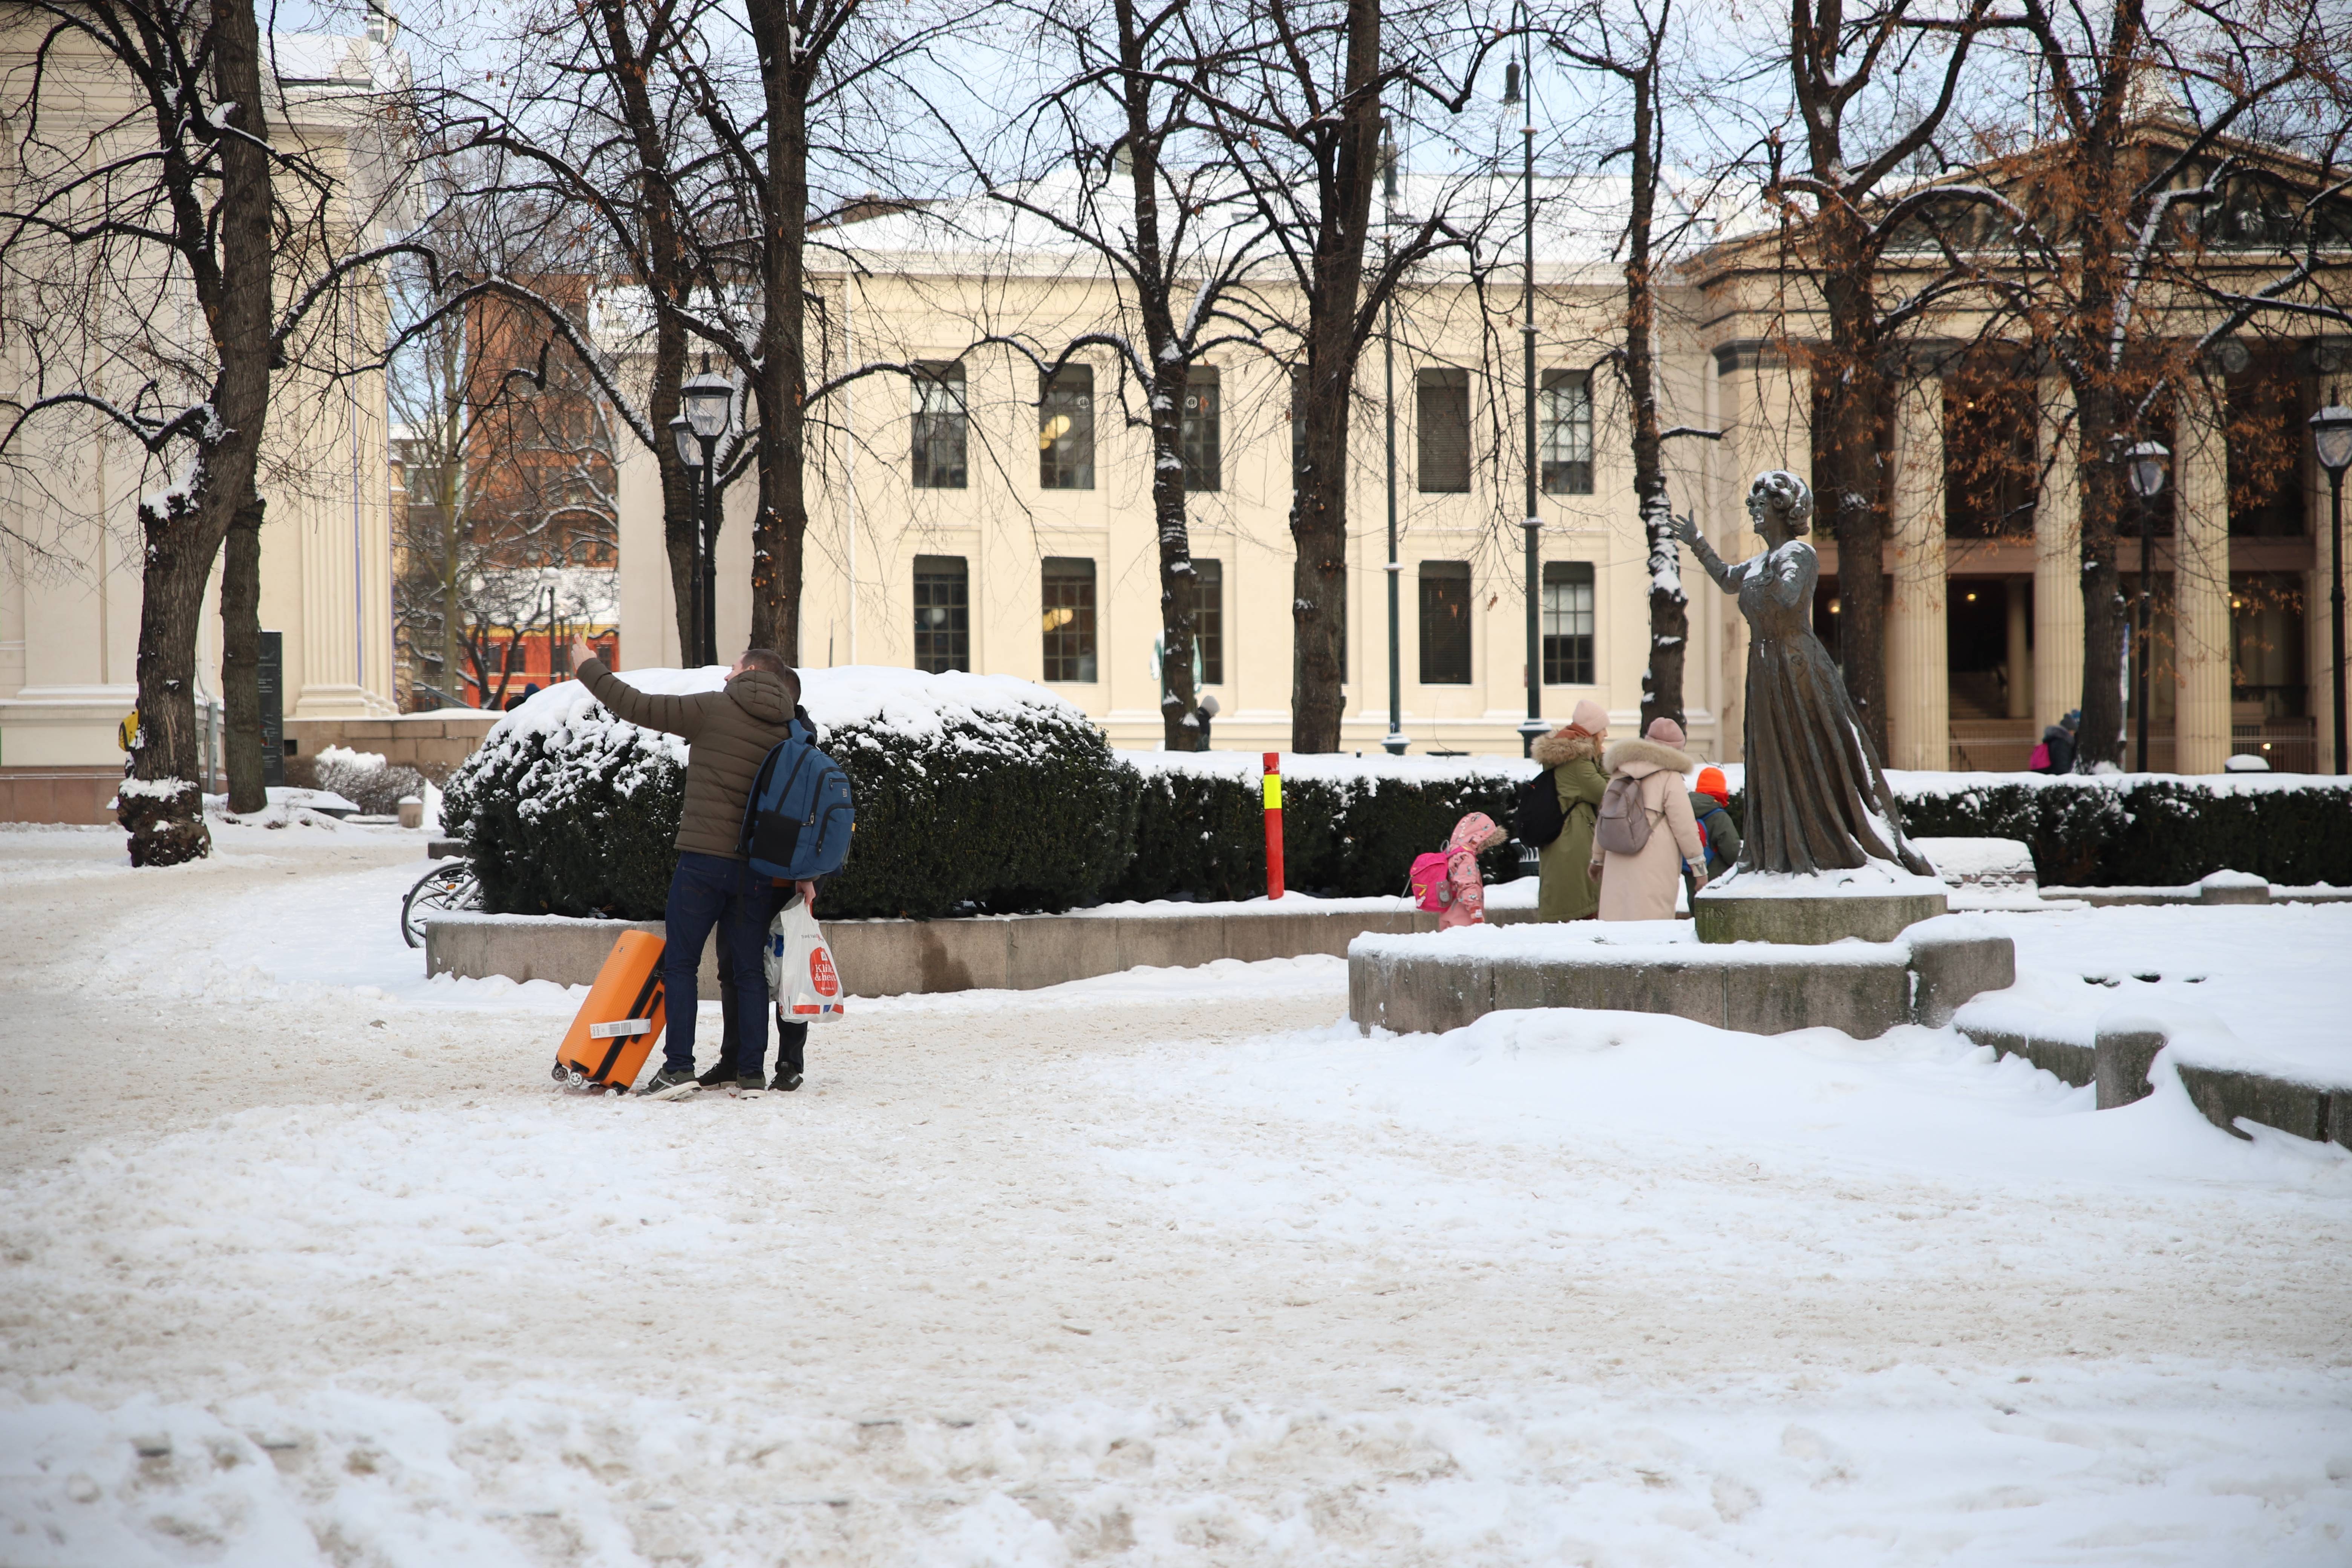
(1817, 798)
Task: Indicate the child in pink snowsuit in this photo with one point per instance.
(1473, 833)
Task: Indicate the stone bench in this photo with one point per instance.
(1428, 984)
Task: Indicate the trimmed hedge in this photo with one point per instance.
(1202, 834)
(1008, 811)
(2138, 831)
(979, 795)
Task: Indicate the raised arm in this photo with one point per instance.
(1727, 578)
(647, 710)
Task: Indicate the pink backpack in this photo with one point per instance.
(2038, 760)
(1430, 888)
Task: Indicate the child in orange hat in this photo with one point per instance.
(1710, 801)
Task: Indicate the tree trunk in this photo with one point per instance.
(1850, 480)
(1318, 509)
(1662, 682)
(2100, 738)
(781, 384)
(240, 613)
(161, 805)
(1179, 588)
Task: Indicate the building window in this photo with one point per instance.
(1209, 619)
(1069, 619)
(1446, 622)
(1203, 434)
(943, 613)
(940, 426)
(2267, 642)
(1568, 622)
(1066, 430)
(1565, 445)
(1441, 424)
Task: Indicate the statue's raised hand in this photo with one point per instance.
(1686, 530)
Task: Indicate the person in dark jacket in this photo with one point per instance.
(2060, 740)
(728, 734)
(1710, 803)
(734, 1046)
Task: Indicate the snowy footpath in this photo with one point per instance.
(306, 1262)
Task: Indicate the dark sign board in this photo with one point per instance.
(273, 708)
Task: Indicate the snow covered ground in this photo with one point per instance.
(306, 1262)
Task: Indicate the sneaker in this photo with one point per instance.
(718, 1077)
(671, 1084)
(744, 1088)
(786, 1082)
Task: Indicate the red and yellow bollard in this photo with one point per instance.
(1274, 824)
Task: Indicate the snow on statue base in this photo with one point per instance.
(1874, 902)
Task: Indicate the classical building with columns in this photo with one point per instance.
(984, 521)
(70, 542)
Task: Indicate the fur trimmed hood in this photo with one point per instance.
(1640, 757)
(1559, 747)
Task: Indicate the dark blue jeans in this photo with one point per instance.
(706, 892)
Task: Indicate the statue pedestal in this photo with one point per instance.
(1872, 902)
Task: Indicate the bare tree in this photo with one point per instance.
(186, 196)
(1857, 137)
(1633, 45)
(597, 123)
(1297, 116)
(1178, 236)
(2125, 251)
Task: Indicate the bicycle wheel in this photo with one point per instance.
(448, 886)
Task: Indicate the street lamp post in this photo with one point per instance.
(710, 404)
(1533, 724)
(689, 455)
(1394, 742)
(2144, 467)
(2331, 440)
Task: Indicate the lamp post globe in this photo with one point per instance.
(709, 402)
(690, 450)
(2331, 442)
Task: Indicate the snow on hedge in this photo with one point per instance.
(1911, 784)
(1332, 766)
(908, 704)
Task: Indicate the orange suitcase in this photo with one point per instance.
(617, 1025)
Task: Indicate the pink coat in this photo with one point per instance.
(1472, 834)
(1642, 887)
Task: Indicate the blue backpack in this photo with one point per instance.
(798, 822)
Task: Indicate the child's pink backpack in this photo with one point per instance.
(1430, 888)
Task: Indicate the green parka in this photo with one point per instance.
(1568, 891)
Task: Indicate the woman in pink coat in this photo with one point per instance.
(1642, 887)
(1468, 906)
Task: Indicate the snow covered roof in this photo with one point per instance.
(1579, 218)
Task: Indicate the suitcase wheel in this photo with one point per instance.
(575, 1078)
(560, 1072)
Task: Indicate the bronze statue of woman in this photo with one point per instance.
(1817, 798)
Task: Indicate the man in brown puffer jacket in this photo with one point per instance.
(728, 734)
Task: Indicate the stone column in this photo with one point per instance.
(2020, 649)
(2200, 587)
(2057, 564)
(1918, 666)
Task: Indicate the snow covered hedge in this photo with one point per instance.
(1351, 826)
(973, 791)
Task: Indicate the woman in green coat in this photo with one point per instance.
(1568, 891)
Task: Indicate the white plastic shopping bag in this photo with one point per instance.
(801, 973)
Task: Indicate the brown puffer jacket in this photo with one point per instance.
(728, 734)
